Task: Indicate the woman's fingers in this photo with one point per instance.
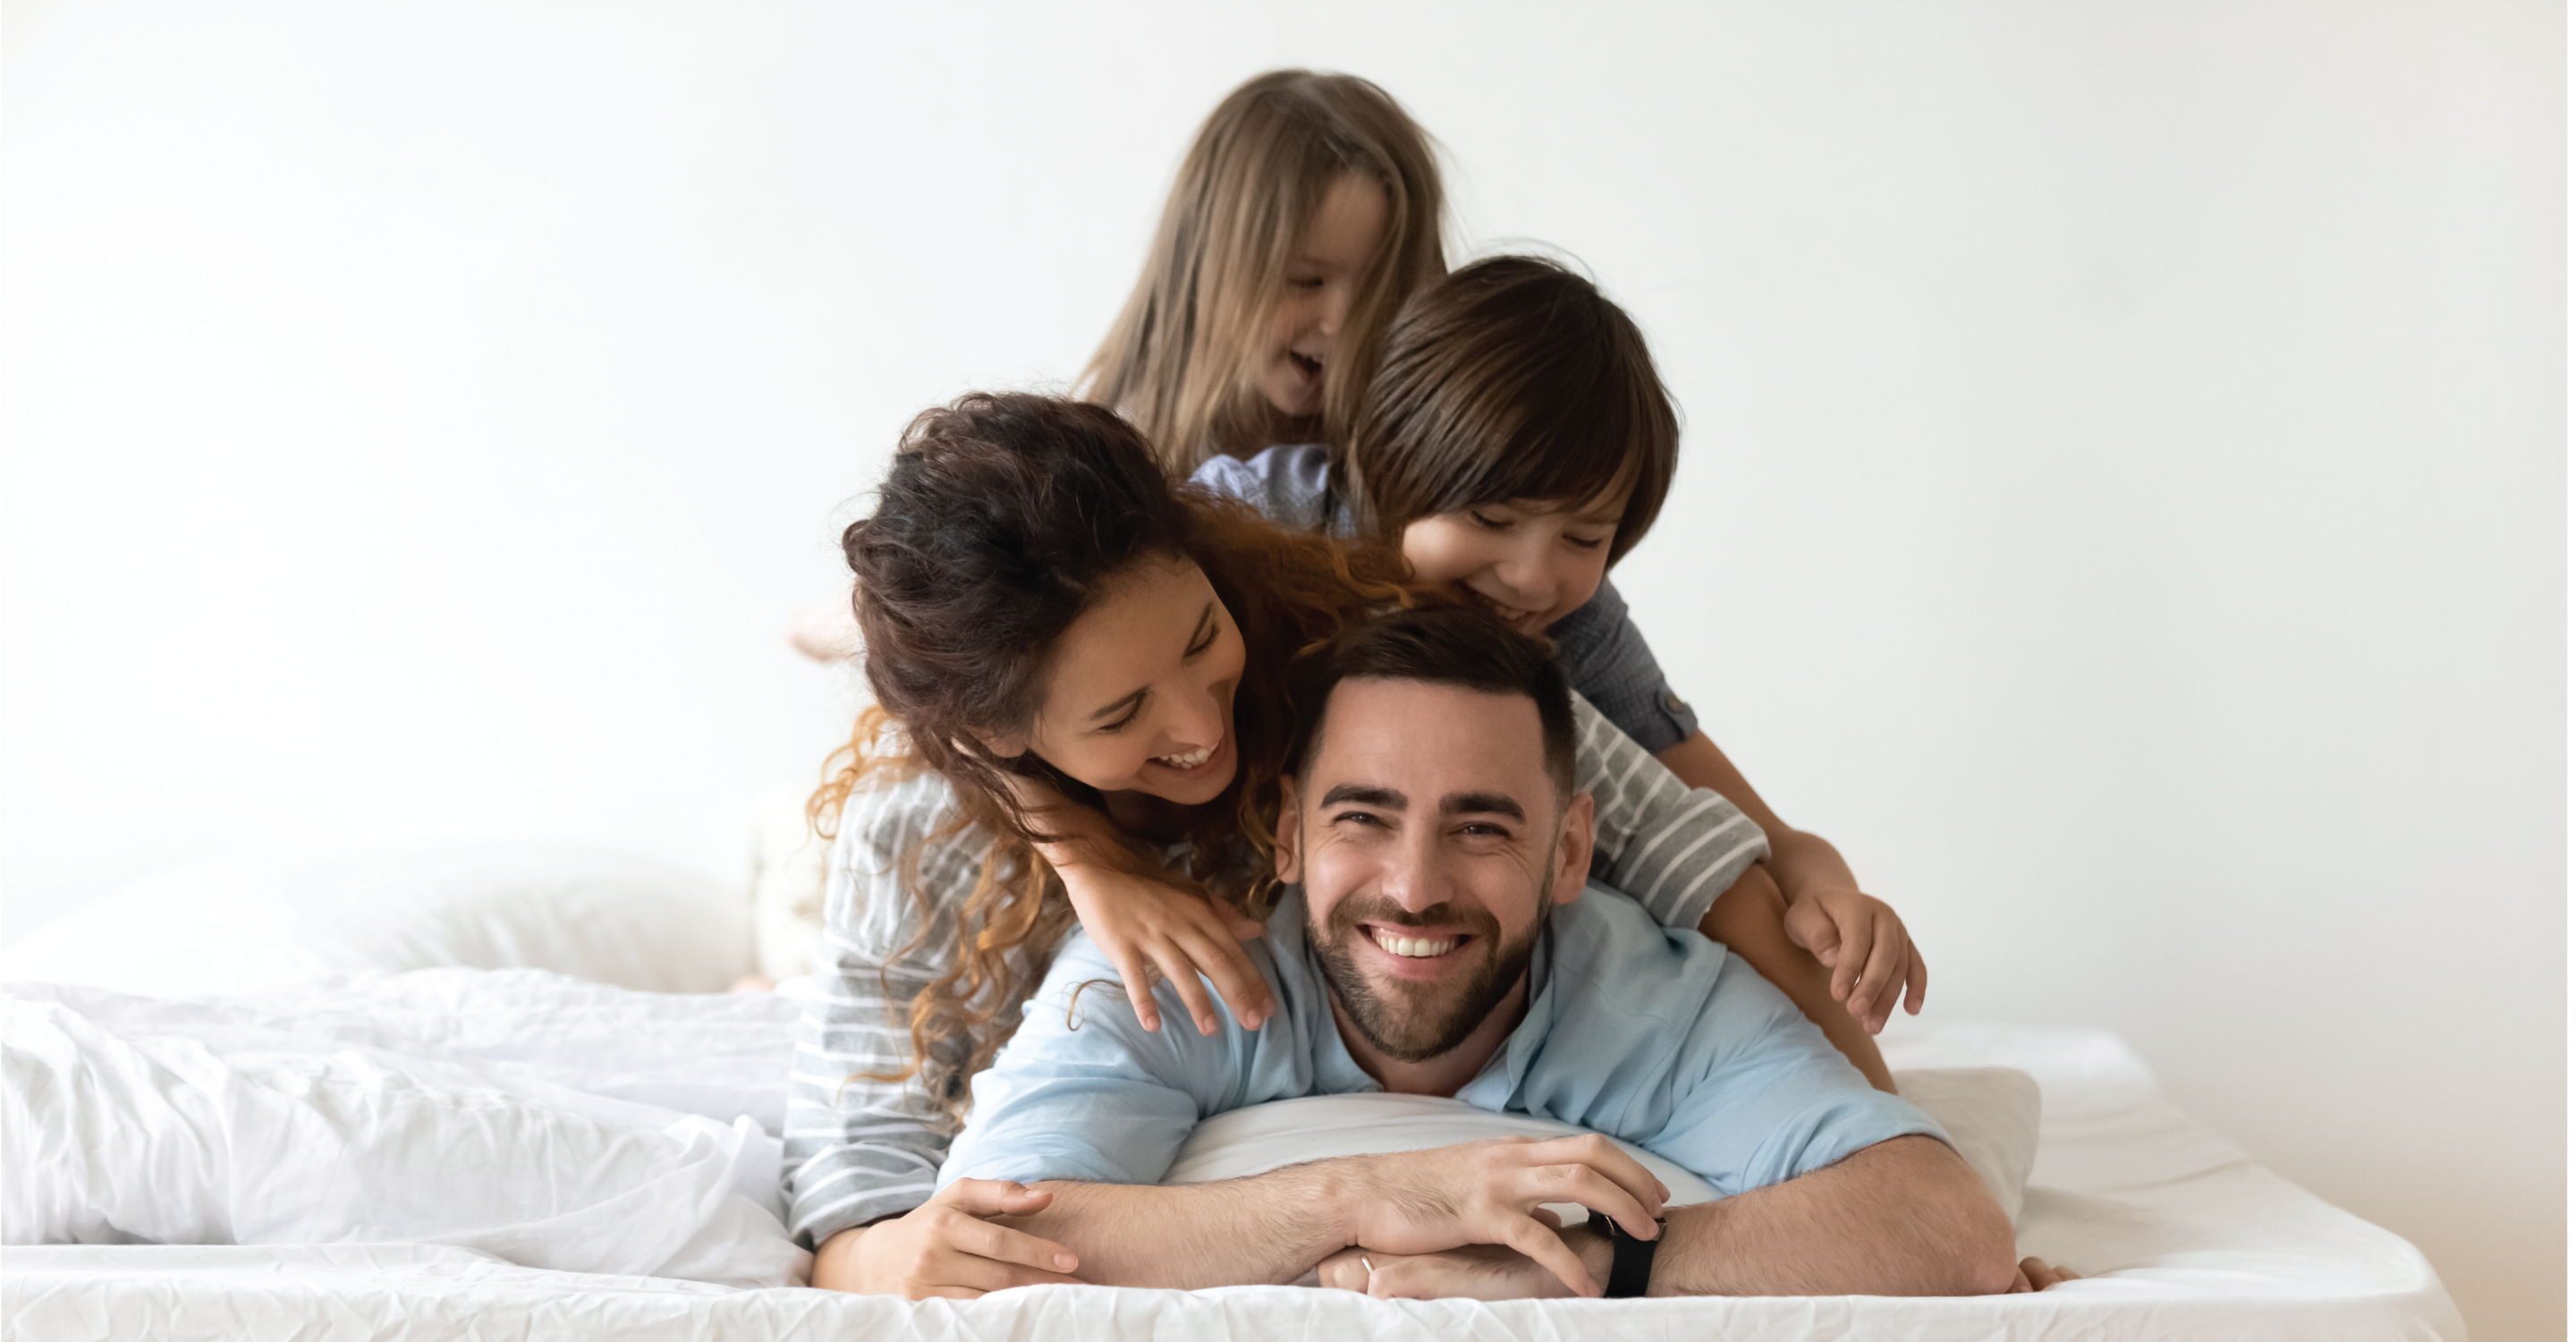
(993, 1197)
(1002, 1244)
(1136, 974)
(986, 1274)
(1222, 959)
(1177, 965)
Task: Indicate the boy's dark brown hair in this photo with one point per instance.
(1512, 378)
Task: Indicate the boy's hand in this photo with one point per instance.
(1148, 926)
(1866, 946)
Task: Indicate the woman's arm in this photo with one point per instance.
(859, 1147)
(1151, 922)
(1826, 910)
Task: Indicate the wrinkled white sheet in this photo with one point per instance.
(2180, 1235)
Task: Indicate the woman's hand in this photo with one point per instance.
(1865, 945)
(1147, 926)
(946, 1248)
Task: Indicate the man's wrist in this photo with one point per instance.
(1589, 1246)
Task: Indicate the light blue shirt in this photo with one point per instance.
(1657, 1036)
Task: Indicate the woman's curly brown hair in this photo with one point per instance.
(1002, 520)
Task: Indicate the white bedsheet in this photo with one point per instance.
(2180, 1234)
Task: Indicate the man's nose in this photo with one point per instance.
(1414, 877)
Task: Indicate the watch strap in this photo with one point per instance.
(1632, 1260)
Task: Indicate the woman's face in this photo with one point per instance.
(1533, 562)
(1324, 274)
(1140, 689)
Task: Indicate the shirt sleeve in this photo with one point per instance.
(1761, 1096)
(1084, 1092)
(1286, 483)
(1672, 848)
(858, 1148)
(1607, 661)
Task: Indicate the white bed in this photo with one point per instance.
(655, 1116)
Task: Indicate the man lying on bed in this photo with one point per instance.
(1434, 856)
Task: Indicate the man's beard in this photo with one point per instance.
(1413, 1022)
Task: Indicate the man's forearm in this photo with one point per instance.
(1268, 1229)
(1904, 1217)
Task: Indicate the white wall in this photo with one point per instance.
(2124, 500)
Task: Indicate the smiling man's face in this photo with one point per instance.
(1430, 841)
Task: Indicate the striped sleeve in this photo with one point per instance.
(1670, 847)
(857, 1148)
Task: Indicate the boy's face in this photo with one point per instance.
(1531, 561)
(1324, 275)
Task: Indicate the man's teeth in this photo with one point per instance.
(1191, 760)
(1415, 948)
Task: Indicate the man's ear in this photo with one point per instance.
(1573, 849)
(1285, 859)
(1003, 745)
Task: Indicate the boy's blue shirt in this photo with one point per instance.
(1655, 1036)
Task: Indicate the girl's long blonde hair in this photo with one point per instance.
(1003, 519)
(1178, 362)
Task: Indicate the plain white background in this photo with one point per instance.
(2123, 500)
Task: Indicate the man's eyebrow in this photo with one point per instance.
(1366, 794)
(1481, 803)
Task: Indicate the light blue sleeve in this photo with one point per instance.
(1762, 1097)
(1084, 1092)
(1286, 483)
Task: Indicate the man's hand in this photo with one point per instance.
(1148, 927)
(1490, 1192)
(1866, 946)
(1477, 1272)
(945, 1248)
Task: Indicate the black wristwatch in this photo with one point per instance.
(1632, 1260)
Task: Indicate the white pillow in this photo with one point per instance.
(247, 927)
(1991, 1114)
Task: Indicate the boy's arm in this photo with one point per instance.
(1748, 920)
(1825, 909)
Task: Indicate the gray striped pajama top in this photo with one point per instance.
(859, 1150)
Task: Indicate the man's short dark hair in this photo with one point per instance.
(1444, 645)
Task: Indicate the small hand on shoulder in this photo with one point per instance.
(1861, 940)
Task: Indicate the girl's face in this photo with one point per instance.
(1533, 562)
(1324, 273)
(1140, 690)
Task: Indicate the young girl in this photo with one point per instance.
(1042, 607)
(1307, 210)
(1516, 442)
